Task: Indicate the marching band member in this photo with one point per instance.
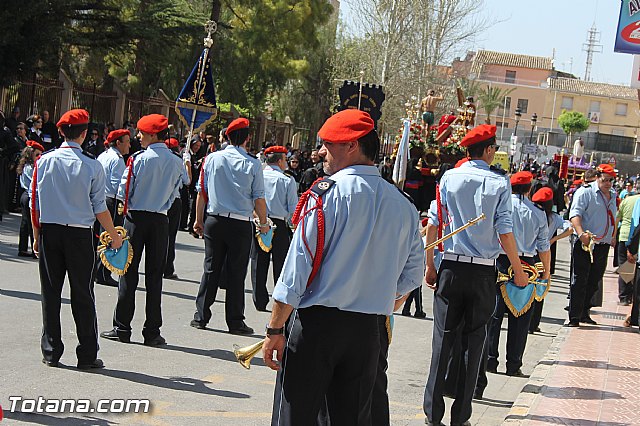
(148, 187)
(465, 284)
(231, 187)
(29, 156)
(281, 195)
(174, 212)
(67, 195)
(593, 210)
(334, 285)
(113, 165)
(531, 232)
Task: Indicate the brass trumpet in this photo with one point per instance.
(245, 354)
(533, 271)
(454, 232)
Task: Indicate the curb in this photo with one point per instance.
(529, 393)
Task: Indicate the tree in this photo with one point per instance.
(572, 122)
(491, 98)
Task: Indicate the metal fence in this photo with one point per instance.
(594, 141)
(33, 97)
(100, 104)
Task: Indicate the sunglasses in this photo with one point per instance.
(94, 134)
(608, 179)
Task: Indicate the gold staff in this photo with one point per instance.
(451, 234)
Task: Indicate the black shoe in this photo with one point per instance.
(448, 394)
(261, 309)
(24, 254)
(467, 423)
(95, 364)
(430, 423)
(173, 276)
(406, 314)
(588, 320)
(477, 394)
(198, 325)
(243, 329)
(107, 281)
(573, 324)
(492, 369)
(517, 373)
(156, 341)
(420, 314)
(620, 303)
(113, 335)
(50, 363)
(566, 308)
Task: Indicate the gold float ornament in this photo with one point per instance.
(115, 260)
(265, 241)
(519, 299)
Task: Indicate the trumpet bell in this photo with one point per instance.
(245, 354)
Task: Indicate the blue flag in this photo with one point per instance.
(196, 104)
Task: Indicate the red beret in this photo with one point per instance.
(542, 195)
(478, 134)
(577, 182)
(35, 145)
(461, 162)
(276, 149)
(171, 143)
(117, 134)
(521, 178)
(153, 123)
(73, 117)
(346, 126)
(237, 124)
(607, 168)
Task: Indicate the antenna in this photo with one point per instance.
(591, 46)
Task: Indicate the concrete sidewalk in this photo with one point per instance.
(590, 374)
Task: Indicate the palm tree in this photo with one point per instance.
(491, 98)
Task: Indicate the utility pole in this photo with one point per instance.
(591, 46)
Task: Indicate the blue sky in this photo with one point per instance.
(537, 27)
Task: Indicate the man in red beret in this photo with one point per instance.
(281, 196)
(592, 214)
(63, 215)
(230, 189)
(334, 290)
(147, 189)
(465, 284)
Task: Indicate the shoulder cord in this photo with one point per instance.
(127, 186)
(611, 220)
(441, 224)
(34, 184)
(203, 190)
(298, 215)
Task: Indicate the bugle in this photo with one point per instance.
(452, 233)
(245, 354)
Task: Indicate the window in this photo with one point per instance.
(567, 103)
(621, 109)
(505, 105)
(594, 106)
(499, 125)
(510, 77)
(523, 104)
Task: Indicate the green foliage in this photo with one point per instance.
(573, 122)
(491, 98)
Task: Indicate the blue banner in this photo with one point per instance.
(196, 104)
(628, 32)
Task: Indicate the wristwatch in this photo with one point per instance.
(273, 331)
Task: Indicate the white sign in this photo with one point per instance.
(513, 146)
(530, 149)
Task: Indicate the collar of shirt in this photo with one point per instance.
(114, 149)
(481, 164)
(274, 167)
(237, 148)
(158, 146)
(597, 189)
(70, 144)
(356, 169)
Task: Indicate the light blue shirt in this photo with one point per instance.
(432, 214)
(530, 227)
(26, 176)
(465, 193)
(69, 187)
(373, 250)
(156, 179)
(557, 222)
(280, 192)
(590, 204)
(113, 166)
(233, 180)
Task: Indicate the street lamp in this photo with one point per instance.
(534, 120)
(514, 137)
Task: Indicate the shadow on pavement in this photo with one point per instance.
(572, 392)
(44, 419)
(493, 402)
(583, 363)
(26, 295)
(186, 384)
(562, 420)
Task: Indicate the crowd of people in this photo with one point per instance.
(324, 219)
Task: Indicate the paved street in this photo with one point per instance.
(195, 378)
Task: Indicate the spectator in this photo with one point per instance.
(25, 170)
(7, 147)
(12, 122)
(35, 131)
(293, 170)
(50, 136)
(193, 160)
(386, 170)
(312, 173)
(21, 138)
(628, 190)
(94, 144)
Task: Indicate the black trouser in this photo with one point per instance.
(112, 205)
(230, 239)
(148, 231)
(414, 296)
(517, 330)
(625, 290)
(456, 362)
(67, 250)
(466, 292)
(585, 278)
(26, 231)
(331, 360)
(184, 211)
(260, 262)
(635, 311)
(174, 222)
(193, 195)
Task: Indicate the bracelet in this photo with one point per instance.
(262, 225)
(581, 234)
